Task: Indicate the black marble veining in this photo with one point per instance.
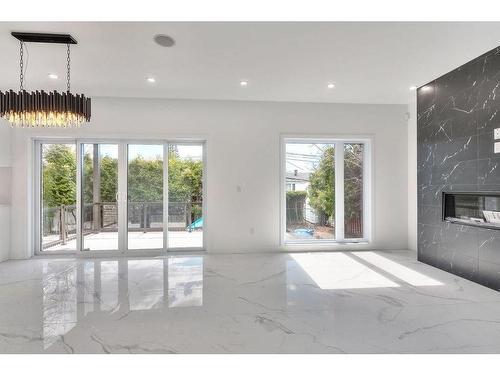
(456, 116)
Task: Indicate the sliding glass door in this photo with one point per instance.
(145, 196)
(98, 196)
(185, 196)
(57, 196)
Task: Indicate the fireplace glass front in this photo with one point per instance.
(480, 209)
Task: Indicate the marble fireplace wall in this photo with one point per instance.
(456, 116)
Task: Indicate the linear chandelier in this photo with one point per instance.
(40, 108)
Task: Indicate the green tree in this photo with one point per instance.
(321, 190)
(59, 175)
(109, 178)
(353, 180)
(87, 177)
(185, 182)
(184, 179)
(145, 180)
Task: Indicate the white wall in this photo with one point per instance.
(4, 191)
(412, 173)
(242, 149)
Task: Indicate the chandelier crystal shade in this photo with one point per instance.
(44, 109)
(40, 108)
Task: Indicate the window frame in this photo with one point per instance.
(123, 144)
(338, 142)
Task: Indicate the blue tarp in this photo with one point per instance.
(197, 224)
(304, 232)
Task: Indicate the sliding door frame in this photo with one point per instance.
(122, 196)
(79, 194)
(204, 194)
(38, 190)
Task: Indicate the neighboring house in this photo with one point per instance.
(297, 181)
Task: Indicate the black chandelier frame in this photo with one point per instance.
(41, 108)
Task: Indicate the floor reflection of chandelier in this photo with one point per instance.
(40, 108)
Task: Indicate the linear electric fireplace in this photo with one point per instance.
(479, 209)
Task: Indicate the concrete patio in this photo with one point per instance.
(136, 240)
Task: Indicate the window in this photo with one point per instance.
(119, 196)
(325, 190)
(310, 204)
(353, 190)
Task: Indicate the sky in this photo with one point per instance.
(304, 157)
(301, 156)
(150, 152)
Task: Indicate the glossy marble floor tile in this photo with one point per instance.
(350, 302)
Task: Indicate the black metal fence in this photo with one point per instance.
(59, 223)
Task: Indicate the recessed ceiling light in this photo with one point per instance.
(151, 80)
(331, 85)
(164, 40)
(244, 83)
(413, 88)
(52, 76)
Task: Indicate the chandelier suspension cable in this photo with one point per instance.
(21, 66)
(68, 75)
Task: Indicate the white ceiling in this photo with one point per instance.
(369, 62)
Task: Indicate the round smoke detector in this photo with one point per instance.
(164, 40)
